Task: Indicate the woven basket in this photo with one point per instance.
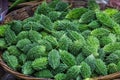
(26, 10)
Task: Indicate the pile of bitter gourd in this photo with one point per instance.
(63, 43)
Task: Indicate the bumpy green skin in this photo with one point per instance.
(76, 13)
(76, 46)
(67, 58)
(90, 60)
(52, 40)
(34, 36)
(3, 44)
(5, 55)
(79, 78)
(105, 19)
(54, 15)
(32, 25)
(16, 26)
(117, 52)
(61, 6)
(112, 58)
(13, 50)
(58, 34)
(11, 61)
(116, 28)
(101, 68)
(27, 68)
(60, 76)
(86, 33)
(94, 24)
(80, 58)
(87, 17)
(62, 67)
(73, 72)
(111, 47)
(52, 4)
(40, 63)
(10, 36)
(91, 46)
(2, 30)
(92, 5)
(36, 52)
(65, 25)
(116, 17)
(118, 66)
(102, 54)
(112, 68)
(100, 32)
(82, 27)
(85, 70)
(111, 12)
(23, 42)
(74, 35)
(22, 35)
(44, 74)
(64, 42)
(46, 22)
(47, 44)
(22, 59)
(27, 47)
(43, 9)
(104, 40)
(54, 58)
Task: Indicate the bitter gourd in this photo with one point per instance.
(2, 30)
(27, 68)
(36, 52)
(112, 68)
(101, 67)
(64, 42)
(22, 35)
(12, 61)
(76, 13)
(16, 26)
(47, 44)
(34, 36)
(85, 70)
(52, 40)
(91, 46)
(27, 47)
(22, 59)
(54, 58)
(87, 17)
(73, 72)
(112, 58)
(3, 44)
(90, 60)
(61, 6)
(44, 74)
(13, 50)
(10, 36)
(100, 32)
(67, 58)
(80, 58)
(40, 63)
(32, 26)
(61, 68)
(22, 43)
(60, 76)
(111, 47)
